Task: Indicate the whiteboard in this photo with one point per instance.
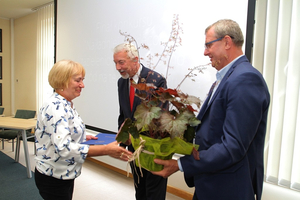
(88, 30)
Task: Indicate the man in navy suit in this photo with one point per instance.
(147, 186)
(229, 164)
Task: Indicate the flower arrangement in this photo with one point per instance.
(158, 123)
(168, 131)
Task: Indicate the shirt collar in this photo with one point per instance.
(221, 73)
(58, 96)
(137, 75)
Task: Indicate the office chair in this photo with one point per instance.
(1, 115)
(1, 111)
(12, 134)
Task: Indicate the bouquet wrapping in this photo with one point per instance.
(147, 149)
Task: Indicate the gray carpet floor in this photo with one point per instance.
(14, 184)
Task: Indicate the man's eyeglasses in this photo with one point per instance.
(208, 44)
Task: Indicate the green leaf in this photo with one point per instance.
(194, 121)
(133, 131)
(126, 129)
(144, 115)
(193, 100)
(174, 126)
(189, 99)
(189, 134)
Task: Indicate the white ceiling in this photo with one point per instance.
(13, 9)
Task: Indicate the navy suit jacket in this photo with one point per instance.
(149, 76)
(231, 138)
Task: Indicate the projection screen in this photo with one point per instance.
(88, 30)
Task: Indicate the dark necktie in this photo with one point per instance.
(131, 94)
(215, 84)
(205, 104)
(211, 89)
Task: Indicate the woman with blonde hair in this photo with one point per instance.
(60, 132)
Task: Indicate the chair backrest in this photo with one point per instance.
(25, 114)
(1, 110)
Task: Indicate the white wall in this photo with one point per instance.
(274, 192)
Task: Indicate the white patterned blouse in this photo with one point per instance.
(59, 132)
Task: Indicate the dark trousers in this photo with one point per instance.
(148, 187)
(52, 188)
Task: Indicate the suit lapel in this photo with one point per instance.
(207, 103)
(125, 94)
(143, 75)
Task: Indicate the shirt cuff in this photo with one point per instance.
(179, 165)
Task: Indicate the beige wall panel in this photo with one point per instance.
(6, 65)
(25, 35)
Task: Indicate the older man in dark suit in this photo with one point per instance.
(148, 186)
(229, 164)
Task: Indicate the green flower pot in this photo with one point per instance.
(159, 148)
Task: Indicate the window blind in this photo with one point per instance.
(276, 54)
(45, 52)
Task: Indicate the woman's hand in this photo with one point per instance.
(116, 151)
(112, 149)
(90, 137)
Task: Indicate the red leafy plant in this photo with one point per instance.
(154, 121)
(151, 119)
